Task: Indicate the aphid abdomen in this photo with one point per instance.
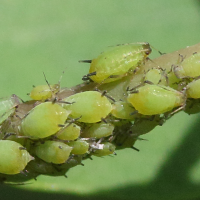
(107, 149)
(43, 120)
(193, 90)
(190, 67)
(118, 61)
(7, 106)
(154, 99)
(98, 131)
(53, 152)
(89, 106)
(13, 157)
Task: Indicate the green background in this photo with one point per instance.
(51, 36)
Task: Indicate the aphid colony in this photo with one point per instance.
(121, 99)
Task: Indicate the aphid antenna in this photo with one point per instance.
(104, 93)
(47, 82)
(8, 135)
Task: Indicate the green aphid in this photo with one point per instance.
(98, 130)
(153, 99)
(189, 67)
(53, 152)
(123, 110)
(79, 147)
(192, 89)
(69, 132)
(117, 61)
(156, 76)
(107, 149)
(43, 120)
(89, 106)
(14, 157)
(7, 106)
(44, 92)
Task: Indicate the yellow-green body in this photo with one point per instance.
(13, 158)
(122, 110)
(53, 152)
(43, 120)
(43, 92)
(89, 106)
(108, 148)
(79, 147)
(154, 99)
(70, 132)
(99, 130)
(118, 60)
(190, 67)
(193, 89)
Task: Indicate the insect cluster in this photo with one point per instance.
(124, 96)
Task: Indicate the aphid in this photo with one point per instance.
(192, 90)
(44, 92)
(189, 67)
(89, 106)
(53, 152)
(98, 130)
(7, 106)
(43, 120)
(14, 157)
(69, 132)
(153, 99)
(117, 61)
(107, 149)
(156, 76)
(123, 110)
(79, 147)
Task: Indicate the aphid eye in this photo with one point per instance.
(43, 120)
(14, 157)
(154, 99)
(89, 106)
(53, 152)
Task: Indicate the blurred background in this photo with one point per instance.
(51, 36)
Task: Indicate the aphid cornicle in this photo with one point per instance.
(114, 63)
(154, 99)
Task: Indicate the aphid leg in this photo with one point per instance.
(181, 58)
(87, 76)
(8, 135)
(85, 61)
(135, 148)
(104, 93)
